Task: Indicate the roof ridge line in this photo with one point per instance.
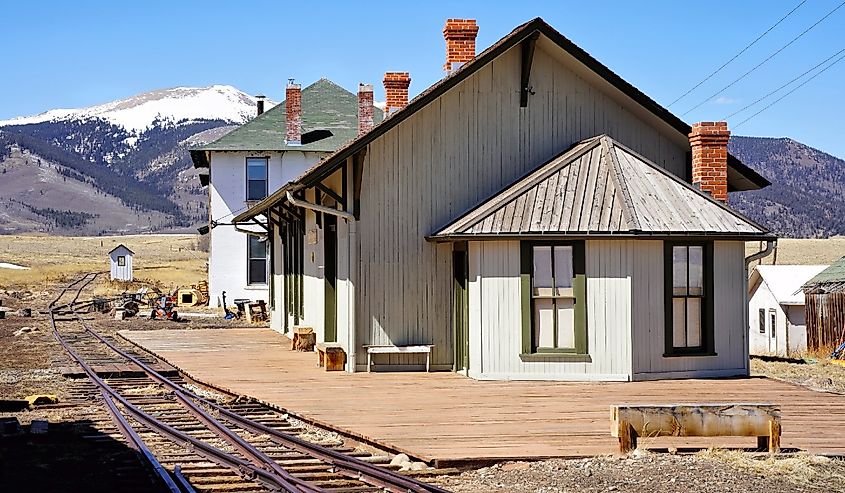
(628, 210)
(519, 187)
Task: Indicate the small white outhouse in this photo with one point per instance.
(121, 263)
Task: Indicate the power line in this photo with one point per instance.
(791, 91)
(746, 74)
(785, 85)
(682, 96)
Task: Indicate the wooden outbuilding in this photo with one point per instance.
(120, 259)
(824, 297)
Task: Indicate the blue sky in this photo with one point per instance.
(70, 54)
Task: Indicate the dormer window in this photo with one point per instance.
(256, 178)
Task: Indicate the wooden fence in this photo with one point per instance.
(825, 319)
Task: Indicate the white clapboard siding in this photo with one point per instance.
(729, 328)
(460, 149)
(495, 319)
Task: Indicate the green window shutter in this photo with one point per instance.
(580, 288)
(525, 292)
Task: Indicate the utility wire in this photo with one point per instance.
(746, 74)
(793, 90)
(783, 86)
(682, 96)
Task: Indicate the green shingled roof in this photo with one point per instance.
(829, 280)
(325, 106)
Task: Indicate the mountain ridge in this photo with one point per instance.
(133, 154)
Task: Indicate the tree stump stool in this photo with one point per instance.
(303, 339)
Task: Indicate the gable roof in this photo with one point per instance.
(741, 177)
(325, 106)
(785, 281)
(829, 280)
(118, 247)
(600, 188)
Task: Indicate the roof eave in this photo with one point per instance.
(585, 235)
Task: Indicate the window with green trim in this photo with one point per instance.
(554, 292)
(689, 298)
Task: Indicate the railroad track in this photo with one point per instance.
(195, 440)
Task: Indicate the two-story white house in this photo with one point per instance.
(259, 157)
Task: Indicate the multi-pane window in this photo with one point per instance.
(553, 297)
(257, 260)
(774, 316)
(256, 178)
(121, 260)
(687, 296)
(761, 320)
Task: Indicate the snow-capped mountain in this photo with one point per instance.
(138, 113)
(133, 153)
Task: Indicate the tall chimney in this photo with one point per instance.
(293, 117)
(365, 108)
(709, 143)
(460, 42)
(260, 103)
(396, 90)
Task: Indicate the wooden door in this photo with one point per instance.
(460, 315)
(330, 274)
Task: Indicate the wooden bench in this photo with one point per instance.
(331, 356)
(692, 420)
(390, 349)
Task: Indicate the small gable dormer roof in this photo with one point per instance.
(121, 249)
(601, 188)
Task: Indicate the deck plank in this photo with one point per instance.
(445, 416)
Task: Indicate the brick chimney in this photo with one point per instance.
(709, 143)
(460, 42)
(365, 108)
(260, 103)
(293, 117)
(396, 91)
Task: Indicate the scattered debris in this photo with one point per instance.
(25, 312)
(41, 399)
(25, 330)
(38, 427)
(10, 427)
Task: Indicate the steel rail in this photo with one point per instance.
(345, 465)
(237, 464)
(138, 444)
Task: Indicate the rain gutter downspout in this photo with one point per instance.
(770, 247)
(351, 342)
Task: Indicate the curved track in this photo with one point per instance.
(262, 452)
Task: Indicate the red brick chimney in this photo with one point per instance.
(365, 108)
(396, 91)
(293, 116)
(709, 143)
(460, 42)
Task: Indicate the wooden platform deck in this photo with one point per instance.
(448, 418)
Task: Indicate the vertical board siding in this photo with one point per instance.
(496, 323)
(729, 325)
(459, 150)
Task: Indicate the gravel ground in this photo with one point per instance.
(714, 472)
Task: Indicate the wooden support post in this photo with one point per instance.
(627, 438)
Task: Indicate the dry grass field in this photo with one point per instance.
(163, 260)
(802, 251)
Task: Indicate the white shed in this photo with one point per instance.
(776, 323)
(121, 263)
